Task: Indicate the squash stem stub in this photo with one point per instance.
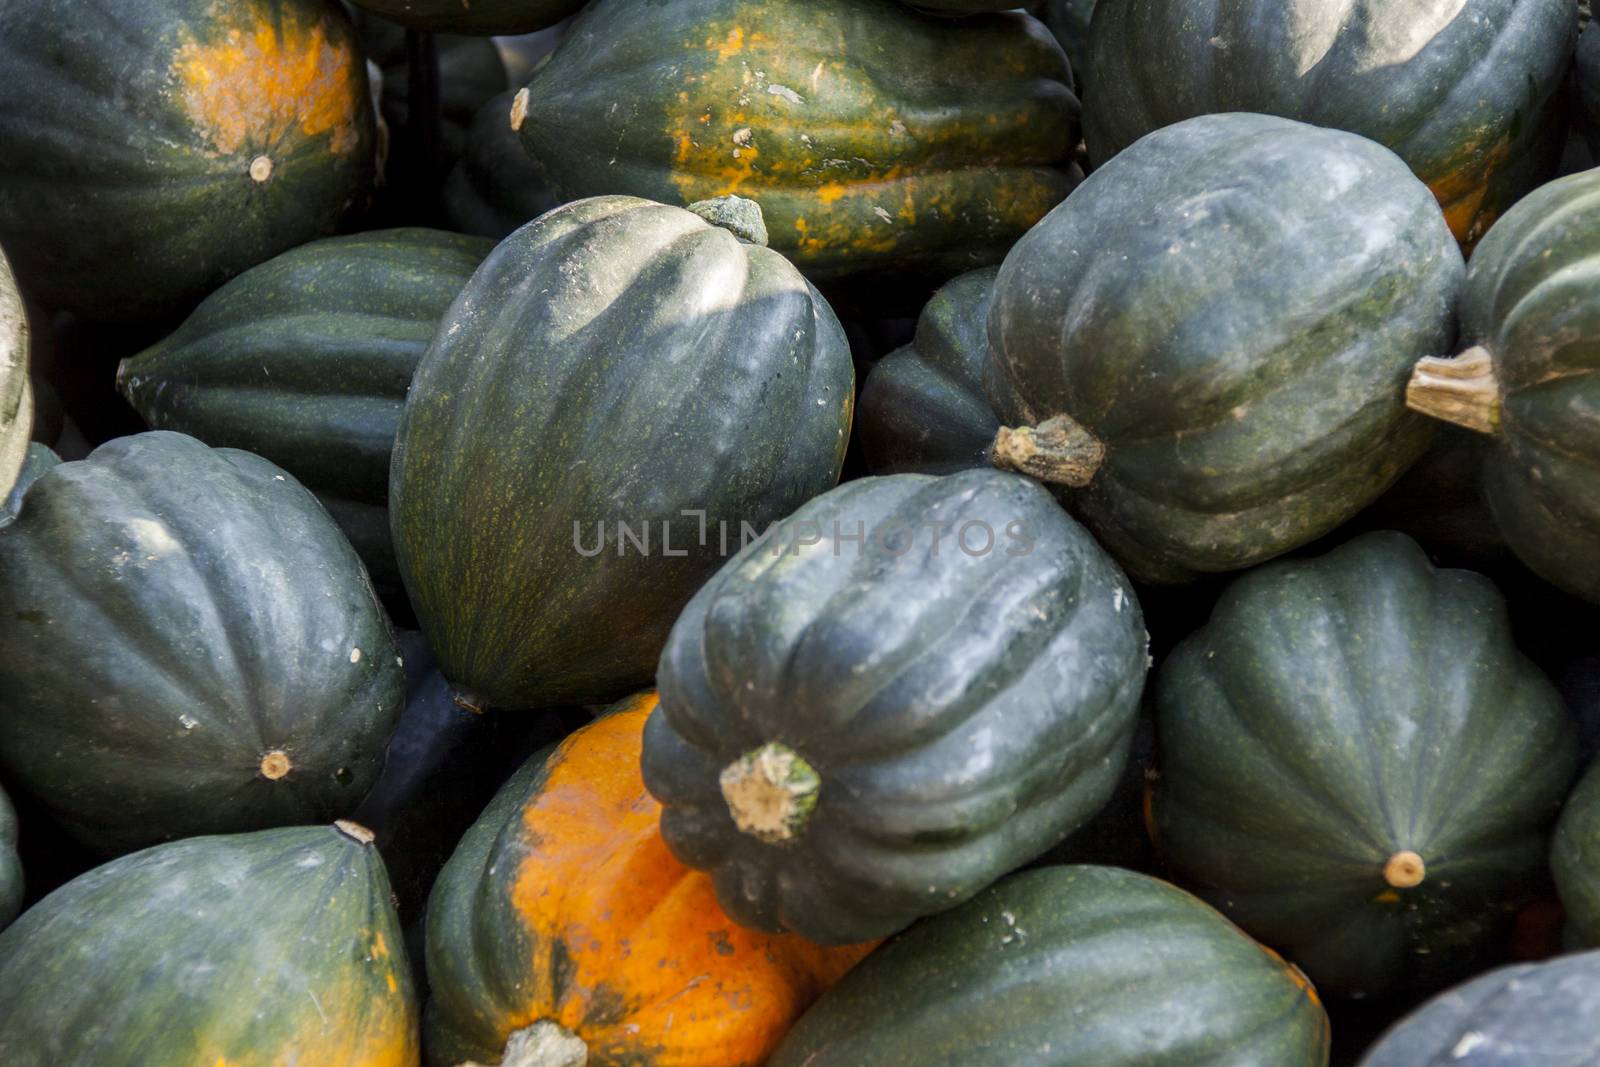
(544, 1044)
(1405, 870)
(1463, 390)
(738, 216)
(1059, 451)
(771, 792)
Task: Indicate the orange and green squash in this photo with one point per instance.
(563, 927)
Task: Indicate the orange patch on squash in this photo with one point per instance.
(1461, 193)
(1296, 975)
(653, 966)
(259, 84)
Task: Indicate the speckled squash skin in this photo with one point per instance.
(152, 149)
(1532, 305)
(1336, 713)
(38, 460)
(922, 408)
(496, 186)
(481, 18)
(962, 708)
(1469, 93)
(562, 906)
(16, 393)
(1067, 967)
(251, 950)
(188, 645)
(873, 137)
(1532, 1015)
(305, 360)
(11, 882)
(1575, 861)
(614, 362)
(1231, 307)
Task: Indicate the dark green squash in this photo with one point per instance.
(16, 392)
(1586, 73)
(1533, 1015)
(872, 136)
(1067, 967)
(276, 947)
(1069, 21)
(39, 459)
(1530, 378)
(962, 7)
(911, 687)
(1358, 766)
(1575, 861)
(922, 409)
(618, 369)
(496, 186)
(187, 645)
(1207, 345)
(306, 359)
(482, 18)
(1468, 93)
(11, 884)
(152, 149)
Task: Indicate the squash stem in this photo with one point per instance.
(738, 216)
(771, 792)
(1463, 390)
(1058, 451)
(1405, 870)
(544, 1044)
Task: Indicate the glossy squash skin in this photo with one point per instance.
(480, 18)
(11, 884)
(188, 645)
(1067, 967)
(874, 137)
(38, 459)
(1469, 94)
(152, 149)
(857, 733)
(563, 919)
(922, 408)
(306, 359)
(251, 950)
(496, 186)
(1359, 768)
(1533, 1015)
(614, 366)
(1228, 310)
(1530, 378)
(1575, 861)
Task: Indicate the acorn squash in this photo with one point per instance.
(1358, 766)
(1069, 21)
(910, 687)
(276, 947)
(187, 645)
(1530, 378)
(1533, 1015)
(11, 884)
(152, 149)
(495, 186)
(922, 408)
(481, 18)
(873, 137)
(1070, 967)
(563, 924)
(39, 459)
(16, 392)
(1586, 73)
(1575, 861)
(620, 386)
(306, 359)
(1469, 93)
(1207, 345)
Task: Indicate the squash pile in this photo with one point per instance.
(807, 533)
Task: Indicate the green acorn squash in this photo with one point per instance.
(1468, 93)
(1207, 345)
(872, 136)
(1069, 21)
(11, 884)
(306, 359)
(152, 149)
(922, 408)
(1067, 967)
(1531, 379)
(1575, 860)
(481, 18)
(1358, 766)
(616, 390)
(16, 393)
(1586, 73)
(187, 645)
(962, 7)
(496, 186)
(1533, 1015)
(39, 459)
(909, 688)
(275, 947)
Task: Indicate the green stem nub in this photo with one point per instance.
(771, 792)
(1058, 451)
(738, 216)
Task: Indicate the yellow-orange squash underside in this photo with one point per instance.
(562, 918)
